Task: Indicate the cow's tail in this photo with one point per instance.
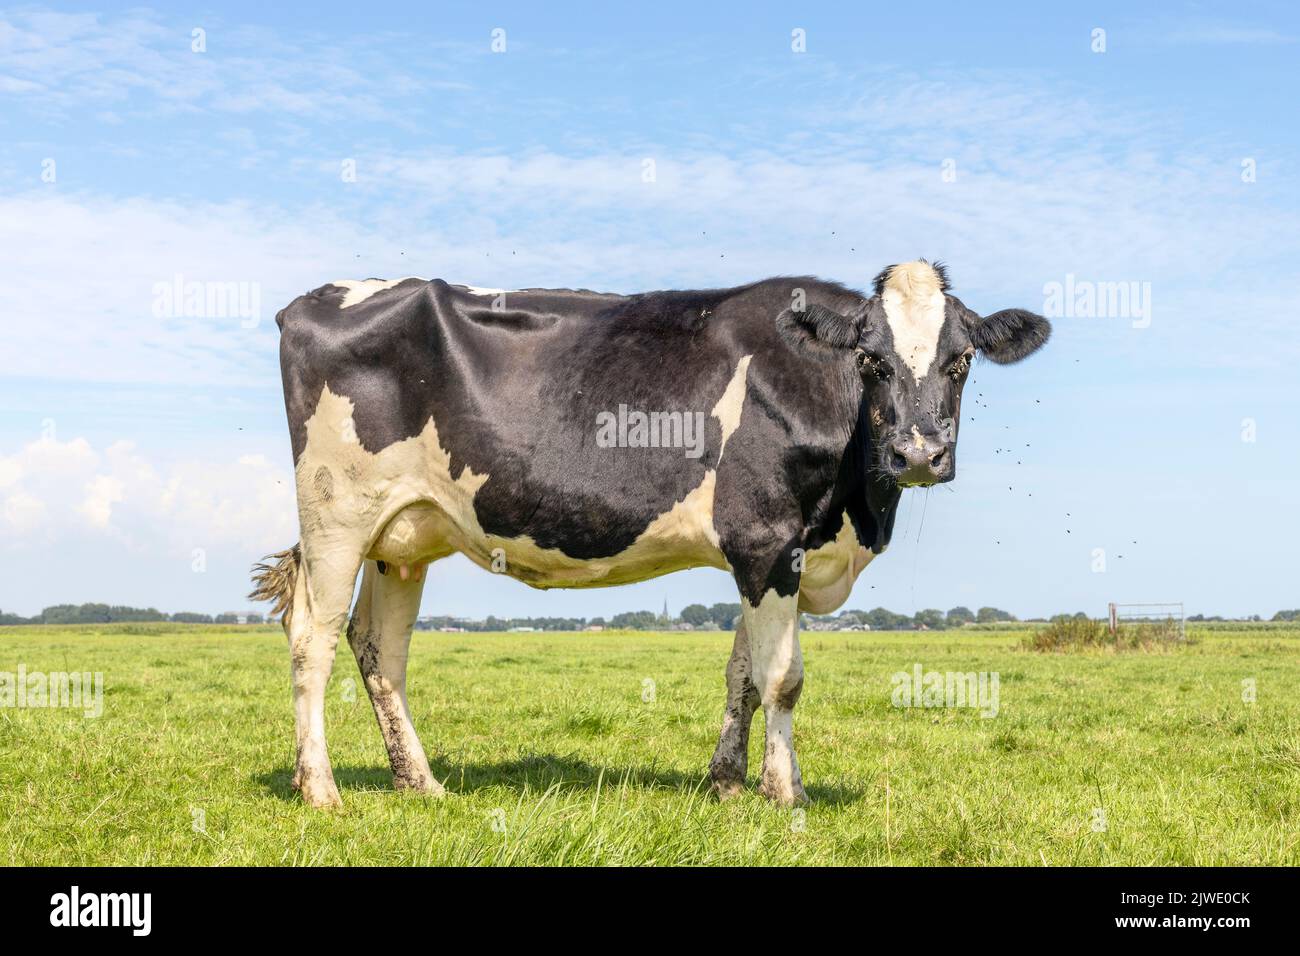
(274, 578)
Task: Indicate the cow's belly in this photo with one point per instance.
(681, 538)
(830, 572)
(401, 505)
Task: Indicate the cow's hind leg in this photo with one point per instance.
(313, 619)
(380, 635)
(731, 759)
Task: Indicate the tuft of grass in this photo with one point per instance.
(1067, 633)
(592, 721)
(1149, 635)
(1282, 753)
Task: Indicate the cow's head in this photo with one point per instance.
(913, 344)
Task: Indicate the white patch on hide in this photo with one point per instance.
(729, 406)
(358, 290)
(830, 571)
(480, 290)
(914, 308)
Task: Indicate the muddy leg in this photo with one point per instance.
(380, 635)
(731, 758)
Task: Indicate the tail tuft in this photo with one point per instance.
(275, 581)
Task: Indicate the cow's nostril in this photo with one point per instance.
(937, 459)
(899, 461)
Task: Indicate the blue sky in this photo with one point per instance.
(144, 459)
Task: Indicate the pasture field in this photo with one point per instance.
(551, 756)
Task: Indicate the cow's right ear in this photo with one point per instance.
(1008, 336)
(818, 332)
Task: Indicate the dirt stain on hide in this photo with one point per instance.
(323, 482)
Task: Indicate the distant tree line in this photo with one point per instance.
(723, 617)
(116, 613)
(696, 617)
(494, 623)
(930, 619)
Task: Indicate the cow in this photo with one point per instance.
(572, 439)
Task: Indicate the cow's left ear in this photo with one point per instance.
(818, 332)
(1010, 335)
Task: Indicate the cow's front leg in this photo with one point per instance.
(731, 760)
(773, 628)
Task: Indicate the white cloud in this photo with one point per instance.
(102, 492)
(137, 63)
(22, 513)
(63, 493)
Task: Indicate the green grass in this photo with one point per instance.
(550, 756)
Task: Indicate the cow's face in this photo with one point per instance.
(913, 344)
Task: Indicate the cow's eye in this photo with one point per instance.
(875, 364)
(960, 367)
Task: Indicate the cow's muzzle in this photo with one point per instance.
(919, 460)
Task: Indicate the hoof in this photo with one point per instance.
(787, 796)
(727, 776)
(728, 789)
(318, 790)
(427, 786)
(322, 798)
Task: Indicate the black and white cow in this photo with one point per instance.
(580, 439)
